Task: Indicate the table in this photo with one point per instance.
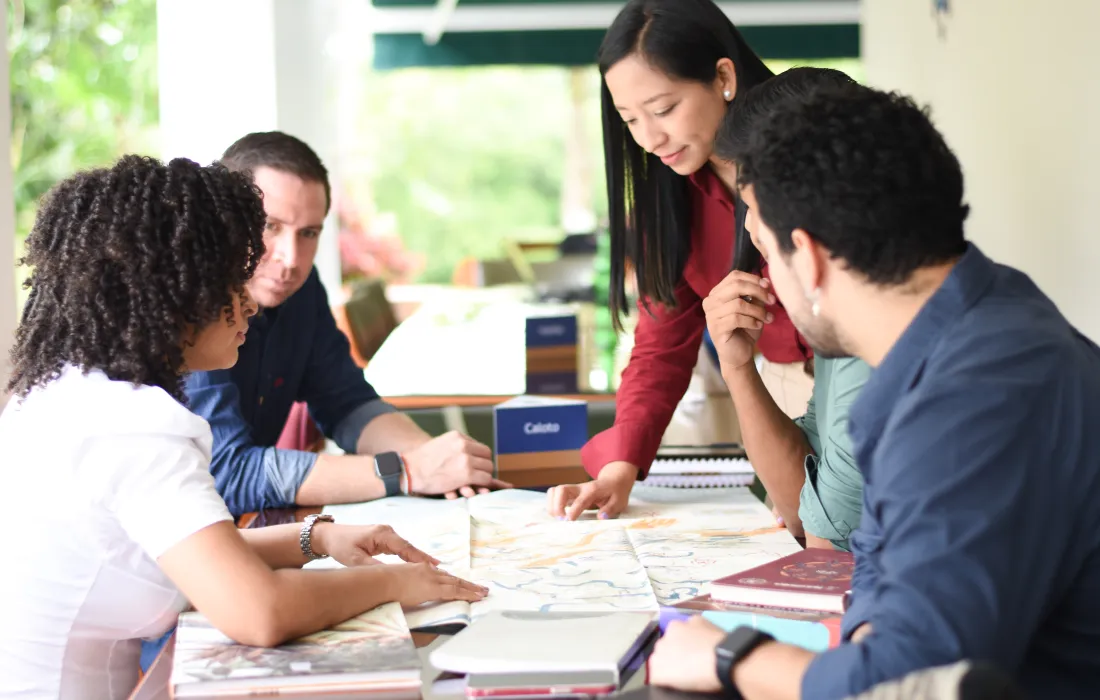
(154, 685)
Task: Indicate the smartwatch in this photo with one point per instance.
(390, 468)
(736, 646)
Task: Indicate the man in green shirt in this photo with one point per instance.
(806, 464)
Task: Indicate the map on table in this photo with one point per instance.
(666, 547)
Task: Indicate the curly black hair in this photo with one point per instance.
(757, 104)
(124, 260)
(862, 171)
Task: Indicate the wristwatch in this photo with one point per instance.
(736, 646)
(305, 537)
(390, 468)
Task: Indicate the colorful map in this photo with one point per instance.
(667, 546)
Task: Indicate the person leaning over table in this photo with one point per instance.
(295, 352)
(140, 274)
(976, 433)
(806, 465)
(671, 70)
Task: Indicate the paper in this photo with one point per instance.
(667, 546)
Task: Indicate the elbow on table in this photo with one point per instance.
(260, 621)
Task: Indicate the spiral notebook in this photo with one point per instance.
(710, 466)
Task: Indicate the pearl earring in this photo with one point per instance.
(728, 95)
(815, 299)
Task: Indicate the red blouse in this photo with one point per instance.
(666, 343)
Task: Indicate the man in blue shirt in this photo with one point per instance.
(295, 352)
(976, 433)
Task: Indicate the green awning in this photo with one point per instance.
(555, 32)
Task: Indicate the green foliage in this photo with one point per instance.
(465, 157)
(83, 89)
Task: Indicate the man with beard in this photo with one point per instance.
(976, 433)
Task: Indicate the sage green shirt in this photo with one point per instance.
(832, 497)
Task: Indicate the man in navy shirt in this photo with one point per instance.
(976, 433)
(295, 352)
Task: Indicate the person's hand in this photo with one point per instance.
(451, 464)
(414, 584)
(356, 545)
(684, 658)
(736, 316)
(609, 492)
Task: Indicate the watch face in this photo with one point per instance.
(388, 464)
(741, 640)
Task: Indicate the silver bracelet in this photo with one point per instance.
(305, 537)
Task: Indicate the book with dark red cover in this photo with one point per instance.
(816, 631)
(813, 579)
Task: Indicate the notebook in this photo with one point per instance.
(709, 466)
(513, 641)
(813, 579)
(372, 652)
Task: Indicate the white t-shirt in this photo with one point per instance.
(100, 478)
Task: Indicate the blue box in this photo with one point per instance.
(538, 440)
(545, 331)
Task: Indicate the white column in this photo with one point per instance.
(1014, 89)
(230, 68)
(7, 217)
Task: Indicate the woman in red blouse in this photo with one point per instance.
(670, 70)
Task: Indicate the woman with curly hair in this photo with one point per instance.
(138, 277)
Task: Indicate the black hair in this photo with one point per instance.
(125, 260)
(278, 151)
(756, 105)
(865, 173)
(649, 211)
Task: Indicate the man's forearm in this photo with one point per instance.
(390, 432)
(775, 445)
(773, 671)
(340, 479)
(351, 478)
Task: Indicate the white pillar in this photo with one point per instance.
(7, 217)
(230, 68)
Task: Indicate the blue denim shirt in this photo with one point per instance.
(293, 352)
(979, 441)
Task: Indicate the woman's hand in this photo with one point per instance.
(609, 492)
(355, 545)
(414, 584)
(736, 316)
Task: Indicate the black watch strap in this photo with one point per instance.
(736, 646)
(390, 468)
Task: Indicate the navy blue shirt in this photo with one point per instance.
(293, 352)
(979, 441)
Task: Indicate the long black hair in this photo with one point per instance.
(649, 211)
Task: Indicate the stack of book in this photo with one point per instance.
(798, 599)
(554, 340)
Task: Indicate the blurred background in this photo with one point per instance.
(463, 137)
